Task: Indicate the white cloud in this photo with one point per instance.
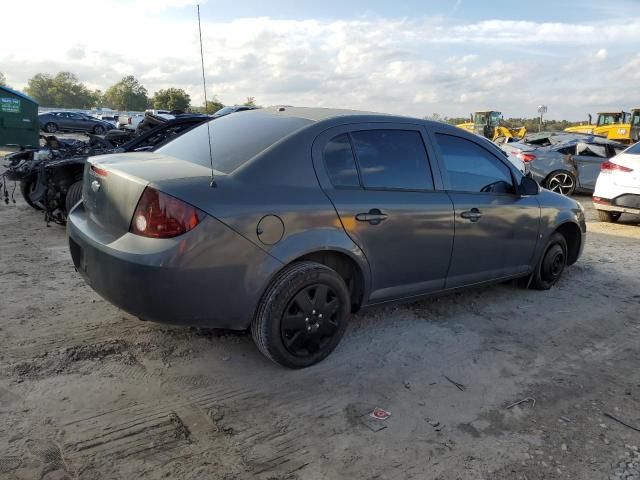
(601, 54)
(414, 67)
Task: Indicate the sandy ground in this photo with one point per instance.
(88, 392)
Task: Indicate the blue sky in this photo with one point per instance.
(412, 57)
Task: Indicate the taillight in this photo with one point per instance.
(129, 120)
(159, 215)
(101, 172)
(601, 200)
(526, 157)
(611, 167)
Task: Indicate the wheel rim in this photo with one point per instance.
(553, 264)
(561, 183)
(311, 320)
(99, 130)
(51, 128)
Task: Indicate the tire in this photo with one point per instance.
(296, 325)
(98, 129)
(51, 127)
(551, 264)
(561, 182)
(74, 195)
(27, 186)
(610, 217)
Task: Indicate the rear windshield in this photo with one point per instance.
(235, 139)
(633, 149)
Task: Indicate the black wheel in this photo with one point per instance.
(605, 216)
(98, 129)
(27, 187)
(551, 264)
(302, 315)
(561, 182)
(51, 127)
(74, 195)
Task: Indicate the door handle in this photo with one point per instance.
(374, 217)
(474, 215)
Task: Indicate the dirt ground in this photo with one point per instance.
(89, 392)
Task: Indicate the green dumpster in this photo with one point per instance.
(18, 119)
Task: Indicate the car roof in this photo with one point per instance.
(315, 114)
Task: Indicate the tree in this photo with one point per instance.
(3, 79)
(127, 94)
(63, 91)
(171, 99)
(251, 102)
(212, 107)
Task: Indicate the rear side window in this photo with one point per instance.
(393, 159)
(471, 168)
(633, 149)
(340, 164)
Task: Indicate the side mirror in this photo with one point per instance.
(528, 186)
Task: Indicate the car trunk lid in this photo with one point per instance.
(113, 185)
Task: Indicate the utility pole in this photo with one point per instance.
(542, 109)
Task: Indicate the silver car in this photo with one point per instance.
(286, 220)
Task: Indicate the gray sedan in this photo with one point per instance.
(52, 122)
(564, 163)
(286, 220)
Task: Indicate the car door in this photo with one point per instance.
(587, 158)
(496, 230)
(390, 202)
(63, 121)
(80, 122)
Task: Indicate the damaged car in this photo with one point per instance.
(564, 163)
(286, 220)
(50, 177)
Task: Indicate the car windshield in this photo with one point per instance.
(224, 111)
(235, 139)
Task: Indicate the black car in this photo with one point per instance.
(233, 109)
(50, 177)
(52, 122)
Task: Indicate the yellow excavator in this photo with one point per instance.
(619, 126)
(487, 124)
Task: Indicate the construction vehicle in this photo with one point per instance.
(487, 124)
(612, 125)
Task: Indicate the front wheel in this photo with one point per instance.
(302, 315)
(606, 216)
(74, 195)
(561, 182)
(27, 187)
(98, 129)
(551, 264)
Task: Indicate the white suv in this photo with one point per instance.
(618, 185)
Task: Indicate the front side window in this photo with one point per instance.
(471, 168)
(392, 159)
(340, 164)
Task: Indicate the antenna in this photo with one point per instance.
(212, 183)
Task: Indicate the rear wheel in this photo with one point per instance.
(561, 182)
(27, 187)
(551, 264)
(302, 315)
(74, 195)
(51, 127)
(605, 216)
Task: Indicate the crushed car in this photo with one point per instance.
(50, 177)
(564, 163)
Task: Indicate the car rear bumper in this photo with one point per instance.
(626, 203)
(209, 277)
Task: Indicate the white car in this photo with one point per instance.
(618, 185)
(130, 121)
